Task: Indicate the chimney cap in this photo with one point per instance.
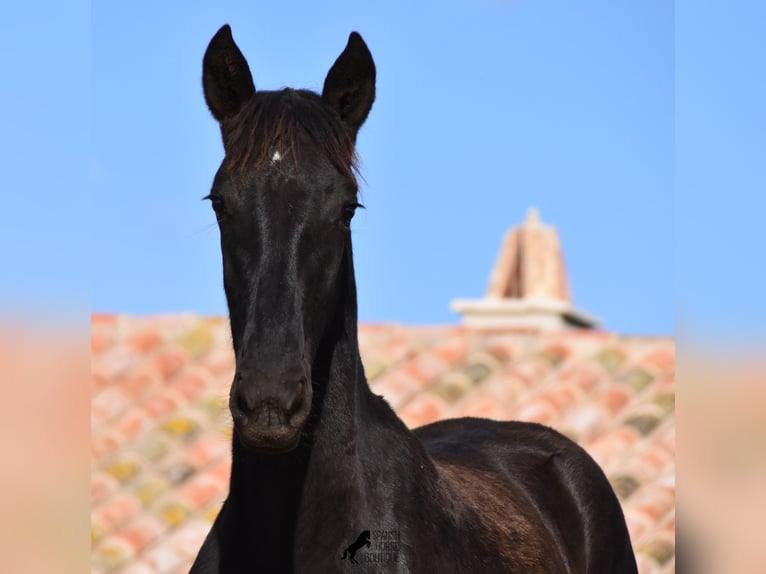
(533, 217)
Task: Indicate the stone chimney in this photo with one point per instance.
(528, 287)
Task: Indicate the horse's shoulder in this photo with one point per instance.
(504, 438)
(530, 455)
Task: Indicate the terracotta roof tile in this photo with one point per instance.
(134, 424)
(144, 341)
(142, 532)
(423, 409)
(165, 558)
(102, 485)
(138, 567)
(103, 446)
(169, 359)
(140, 381)
(115, 512)
(161, 428)
(451, 386)
(149, 487)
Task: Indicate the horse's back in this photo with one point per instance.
(549, 472)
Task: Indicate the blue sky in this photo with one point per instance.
(482, 110)
(587, 110)
(720, 170)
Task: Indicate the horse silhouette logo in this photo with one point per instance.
(362, 540)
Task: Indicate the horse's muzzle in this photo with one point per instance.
(269, 418)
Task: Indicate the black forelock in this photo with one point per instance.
(278, 121)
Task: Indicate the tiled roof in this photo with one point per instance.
(161, 429)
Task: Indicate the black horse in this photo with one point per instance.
(351, 550)
(317, 457)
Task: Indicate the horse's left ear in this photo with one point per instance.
(349, 87)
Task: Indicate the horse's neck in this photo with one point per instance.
(360, 446)
(349, 411)
(266, 487)
(352, 436)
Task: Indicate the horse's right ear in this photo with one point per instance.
(226, 77)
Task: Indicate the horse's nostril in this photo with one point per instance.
(295, 402)
(242, 403)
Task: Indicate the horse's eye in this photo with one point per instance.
(216, 202)
(348, 212)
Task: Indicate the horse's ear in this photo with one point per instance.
(349, 87)
(226, 77)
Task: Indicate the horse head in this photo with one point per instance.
(284, 197)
